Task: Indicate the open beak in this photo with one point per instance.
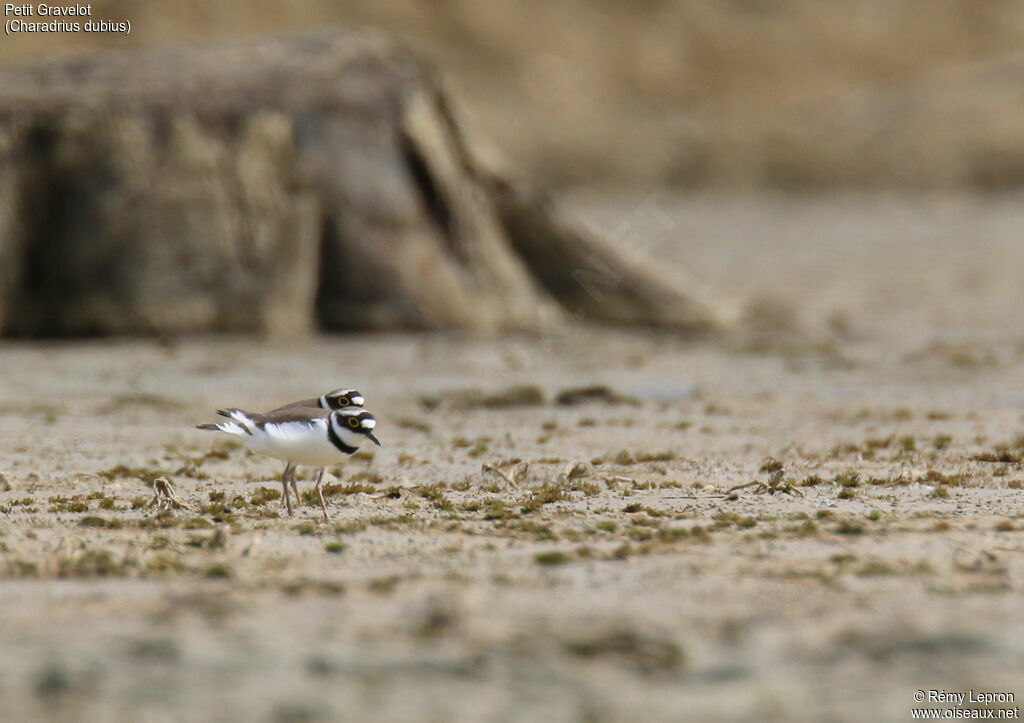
(372, 437)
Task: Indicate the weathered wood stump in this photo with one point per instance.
(274, 185)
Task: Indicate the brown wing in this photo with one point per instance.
(290, 413)
(304, 404)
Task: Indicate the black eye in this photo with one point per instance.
(353, 422)
(343, 401)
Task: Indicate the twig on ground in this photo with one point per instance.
(775, 483)
(511, 477)
(164, 497)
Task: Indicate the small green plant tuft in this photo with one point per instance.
(218, 571)
(552, 558)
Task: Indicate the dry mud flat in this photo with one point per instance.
(887, 558)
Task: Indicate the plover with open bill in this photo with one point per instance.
(301, 435)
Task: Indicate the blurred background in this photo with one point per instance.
(798, 95)
(841, 178)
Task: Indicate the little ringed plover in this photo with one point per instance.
(332, 400)
(302, 435)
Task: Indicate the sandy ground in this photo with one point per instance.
(631, 587)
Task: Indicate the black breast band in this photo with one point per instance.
(336, 440)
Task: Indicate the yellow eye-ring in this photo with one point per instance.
(343, 401)
(353, 422)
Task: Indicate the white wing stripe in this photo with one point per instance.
(295, 430)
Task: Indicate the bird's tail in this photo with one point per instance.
(240, 424)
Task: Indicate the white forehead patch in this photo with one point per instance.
(369, 423)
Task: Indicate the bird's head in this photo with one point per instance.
(341, 398)
(354, 425)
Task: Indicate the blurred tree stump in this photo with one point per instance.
(274, 185)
